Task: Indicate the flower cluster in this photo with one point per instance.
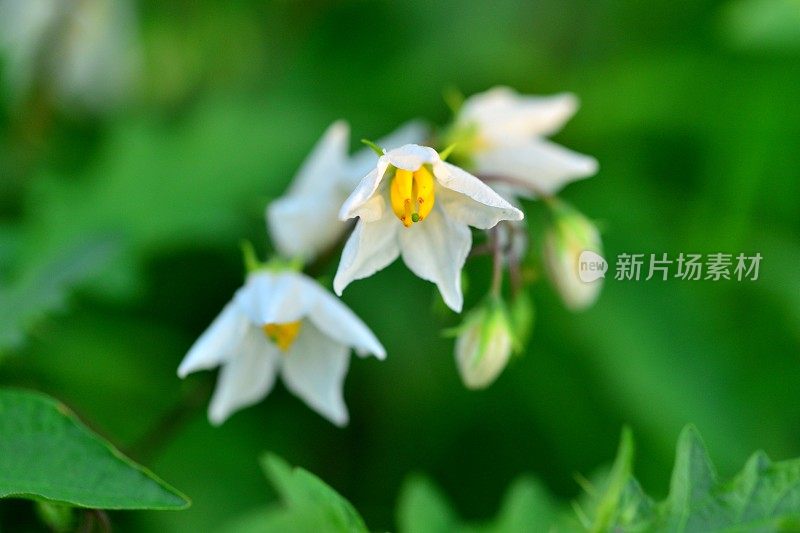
(423, 199)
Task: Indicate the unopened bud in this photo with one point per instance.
(572, 255)
(484, 344)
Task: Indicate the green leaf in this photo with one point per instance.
(302, 489)
(306, 504)
(616, 483)
(47, 454)
(764, 496)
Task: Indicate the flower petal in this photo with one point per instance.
(274, 298)
(412, 156)
(340, 323)
(470, 201)
(505, 117)
(327, 161)
(314, 370)
(217, 343)
(363, 160)
(246, 378)
(371, 247)
(435, 250)
(547, 166)
(305, 225)
(354, 204)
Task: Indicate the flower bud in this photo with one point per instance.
(484, 344)
(569, 235)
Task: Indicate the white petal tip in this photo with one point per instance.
(338, 286)
(184, 370)
(455, 306)
(216, 419)
(340, 421)
(571, 99)
(341, 127)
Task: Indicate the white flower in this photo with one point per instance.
(281, 323)
(416, 205)
(304, 222)
(85, 51)
(503, 136)
(484, 345)
(570, 234)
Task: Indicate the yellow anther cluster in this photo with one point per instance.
(412, 195)
(283, 335)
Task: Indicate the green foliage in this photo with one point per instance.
(762, 24)
(47, 454)
(95, 231)
(44, 284)
(527, 506)
(306, 504)
(764, 496)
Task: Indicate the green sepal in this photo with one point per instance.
(375, 148)
(275, 264)
(444, 154)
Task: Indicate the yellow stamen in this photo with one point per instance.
(283, 335)
(425, 198)
(412, 195)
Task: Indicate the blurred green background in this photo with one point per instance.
(119, 235)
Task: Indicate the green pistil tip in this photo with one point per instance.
(414, 217)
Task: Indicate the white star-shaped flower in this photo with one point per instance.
(416, 205)
(304, 222)
(506, 140)
(281, 323)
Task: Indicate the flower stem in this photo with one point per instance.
(497, 262)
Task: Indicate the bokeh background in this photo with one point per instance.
(120, 222)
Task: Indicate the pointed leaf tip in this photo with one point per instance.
(617, 482)
(305, 495)
(693, 475)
